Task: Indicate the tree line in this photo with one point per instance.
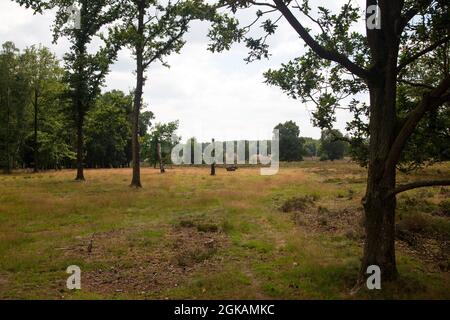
(38, 131)
(36, 128)
(331, 145)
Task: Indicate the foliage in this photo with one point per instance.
(12, 102)
(108, 131)
(311, 147)
(331, 145)
(28, 77)
(291, 145)
(163, 133)
(337, 81)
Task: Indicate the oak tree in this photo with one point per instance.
(341, 63)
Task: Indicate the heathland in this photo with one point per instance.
(239, 235)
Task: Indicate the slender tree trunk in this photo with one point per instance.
(36, 110)
(213, 165)
(160, 159)
(80, 110)
(8, 129)
(136, 181)
(80, 147)
(156, 152)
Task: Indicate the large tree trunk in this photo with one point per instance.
(80, 147)
(379, 209)
(136, 181)
(379, 248)
(36, 151)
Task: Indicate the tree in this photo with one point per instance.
(44, 73)
(13, 105)
(331, 145)
(85, 71)
(108, 130)
(291, 145)
(311, 147)
(163, 134)
(153, 30)
(33, 122)
(341, 63)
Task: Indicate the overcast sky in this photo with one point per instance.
(213, 95)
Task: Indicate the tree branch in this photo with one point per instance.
(411, 13)
(418, 184)
(430, 101)
(413, 58)
(316, 21)
(416, 84)
(168, 46)
(316, 47)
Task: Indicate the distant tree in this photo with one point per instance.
(33, 122)
(291, 145)
(44, 77)
(310, 147)
(14, 91)
(331, 145)
(162, 134)
(108, 130)
(145, 122)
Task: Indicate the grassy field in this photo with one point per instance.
(297, 235)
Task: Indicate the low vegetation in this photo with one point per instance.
(297, 235)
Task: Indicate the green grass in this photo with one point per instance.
(189, 235)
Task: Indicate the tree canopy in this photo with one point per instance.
(291, 145)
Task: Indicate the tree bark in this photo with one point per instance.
(139, 48)
(379, 211)
(379, 215)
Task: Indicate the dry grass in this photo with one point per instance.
(189, 235)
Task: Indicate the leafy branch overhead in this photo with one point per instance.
(340, 62)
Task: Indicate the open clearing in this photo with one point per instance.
(296, 235)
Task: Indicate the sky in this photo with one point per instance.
(213, 95)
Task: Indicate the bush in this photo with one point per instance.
(298, 204)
